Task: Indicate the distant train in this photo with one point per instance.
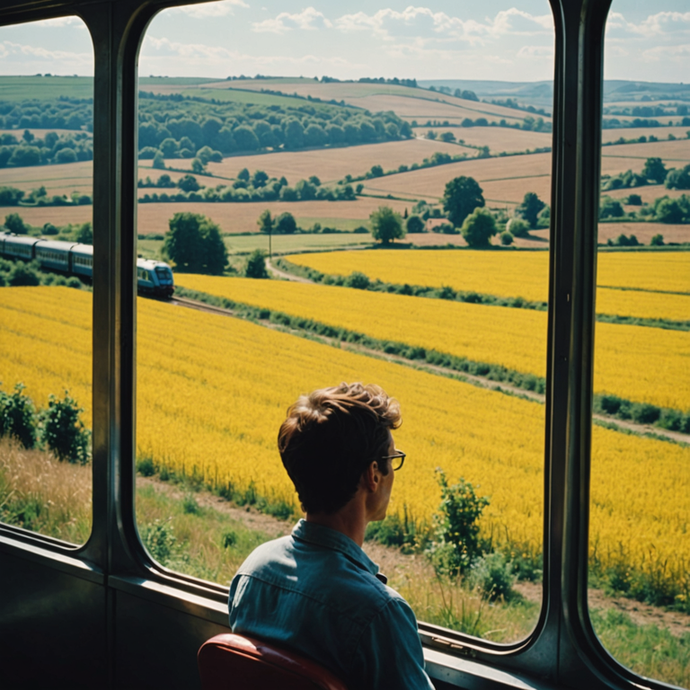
(71, 258)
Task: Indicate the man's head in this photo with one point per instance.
(331, 436)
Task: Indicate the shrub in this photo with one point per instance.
(15, 223)
(190, 506)
(493, 575)
(357, 280)
(415, 224)
(18, 416)
(506, 238)
(361, 230)
(63, 432)
(518, 227)
(456, 544)
(159, 540)
(657, 240)
(646, 413)
(256, 265)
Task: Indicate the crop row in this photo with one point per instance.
(212, 391)
(513, 274)
(639, 364)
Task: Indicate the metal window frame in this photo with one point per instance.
(563, 650)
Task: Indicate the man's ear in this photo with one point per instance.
(371, 477)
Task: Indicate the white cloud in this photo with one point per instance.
(308, 19)
(422, 22)
(159, 53)
(679, 53)
(655, 25)
(209, 9)
(31, 58)
(62, 21)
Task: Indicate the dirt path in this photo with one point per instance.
(285, 276)
(391, 560)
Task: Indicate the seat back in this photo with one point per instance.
(234, 662)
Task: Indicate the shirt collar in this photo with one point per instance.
(332, 539)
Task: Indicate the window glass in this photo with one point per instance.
(46, 153)
(639, 589)
(379, 212)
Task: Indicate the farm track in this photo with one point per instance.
(478, 381)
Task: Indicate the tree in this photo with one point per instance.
(84, 234)
(188, 183)
(386, 225)
(285, 224)
(678, 178)
(610, 208)
(518, 227)
(197, 167)
(256, 265)
(18, 416)
(194, 244)
(529, 208)
(654, 169)
(415, 224)
(506, 238)
(667, 211)
(158, 161)
(461, 196)
(265, 222)
(478, 228)
(15, 223)
(657, 241)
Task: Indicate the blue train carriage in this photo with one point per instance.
(154, 278)
(54, 255)
(16, 247)
(82, 261)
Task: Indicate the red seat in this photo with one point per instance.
(234, 662)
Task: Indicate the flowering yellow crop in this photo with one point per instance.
(524, 274)
(643, 305)
(45, 343)
(637, 363)
(212, 391)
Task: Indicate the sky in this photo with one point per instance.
(446, 39)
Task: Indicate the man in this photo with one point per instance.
(315, 591)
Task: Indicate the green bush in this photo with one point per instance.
(160, 541)
(492, 574)
(506, 238)
(18, 416)
(456, 544)
(357, 280)
(256, 265)
(63, 432)
(518, 227)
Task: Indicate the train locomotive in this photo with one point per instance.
(72, 258)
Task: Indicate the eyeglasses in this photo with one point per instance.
(397, 459)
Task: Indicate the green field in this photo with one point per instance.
(20, 88)
(281, 244)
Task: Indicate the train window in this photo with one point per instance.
(45, 313)
(383, 134)
(639, 589)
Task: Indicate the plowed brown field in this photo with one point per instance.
(329, 165)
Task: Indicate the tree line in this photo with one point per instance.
(29, 149)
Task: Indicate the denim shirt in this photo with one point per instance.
(317, 593)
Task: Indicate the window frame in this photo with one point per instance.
(563, 648)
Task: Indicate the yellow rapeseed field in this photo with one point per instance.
(212, 391)
(637, 363)
(524, 274)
